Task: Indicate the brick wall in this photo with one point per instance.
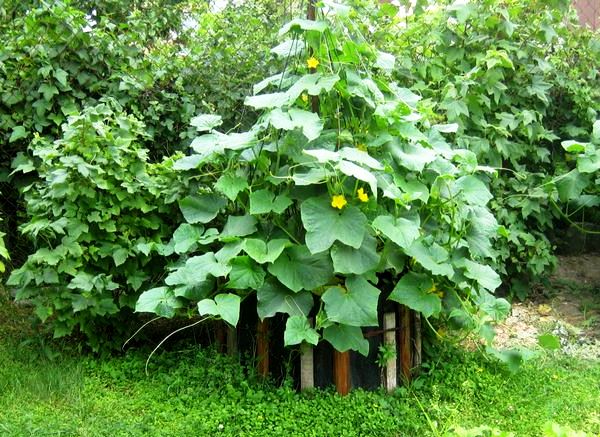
(589, 12)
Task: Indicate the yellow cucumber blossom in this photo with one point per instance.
(362, 196)
(312, 62)
(434, 290)
(361, 147)
(304, 97)
(338, 201)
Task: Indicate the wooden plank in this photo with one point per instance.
(262, 347)
(220, 336)
(389, 340)
(418, 342)
(307, 364)
(307, 367)
(404, 340)
(341, 372)
(232, 346)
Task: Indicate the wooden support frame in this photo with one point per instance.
(220, 336)
(262, 347)
(307, 364)
(390, 374)
(418, 342)
(232, 345)
(405, 343)
(341, 372)
(307, 367)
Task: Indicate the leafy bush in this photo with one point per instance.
(96, 204)
(60, 57)
(323, 212)
(517, 78)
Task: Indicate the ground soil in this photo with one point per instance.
(568, 306)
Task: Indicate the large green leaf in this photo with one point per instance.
(217, 142)
(412, 156)
(289, 47)
(238, 226)
(267, 101)
(358, 172)
(231, 185)
(195, 291)
(325, 224)
(308, 122)
(186, 236)
(197, 269)
(473, 191)
(297, 330)
(401, 231)
(226, 306)
(433, 257)
(313, 84)
(348, 260)
(303, 24)
(201, 208)
(245, 274)
(360, 157)
(571, 185)
(484, 275)
(159, 301)
(264, 202)
(415, 291)
(262, 252)
(298, 269)
(274, 298)
(355, 305)
(344, 338)
(206, 122)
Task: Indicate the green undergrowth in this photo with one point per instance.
(196, 392)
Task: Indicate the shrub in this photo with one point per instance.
(96, 203)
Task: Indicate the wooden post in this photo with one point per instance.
(389, 340)
(311, 14)
(404, 341)
(262, 347)
(232, 348)
(417, 358)
(220, 336)
(341, 372)
(307, 367)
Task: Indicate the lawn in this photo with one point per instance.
(195, 392)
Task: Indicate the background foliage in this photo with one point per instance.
(502, 85)
(518, 78)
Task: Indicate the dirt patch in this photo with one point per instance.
(567, 307)
(583, 270)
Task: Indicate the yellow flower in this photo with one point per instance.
(304, 97)
(362, 196)
(434, 290)
(338, 201)
(312, 62)
(362, 147)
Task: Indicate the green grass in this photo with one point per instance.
(193, 392)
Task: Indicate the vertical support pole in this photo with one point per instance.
(417, 358)
(311, 14)
(262, 347)
(232, 347)
(307, 365)
(220, 336)
(341, 372)
(404, 341)
(389, 340)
